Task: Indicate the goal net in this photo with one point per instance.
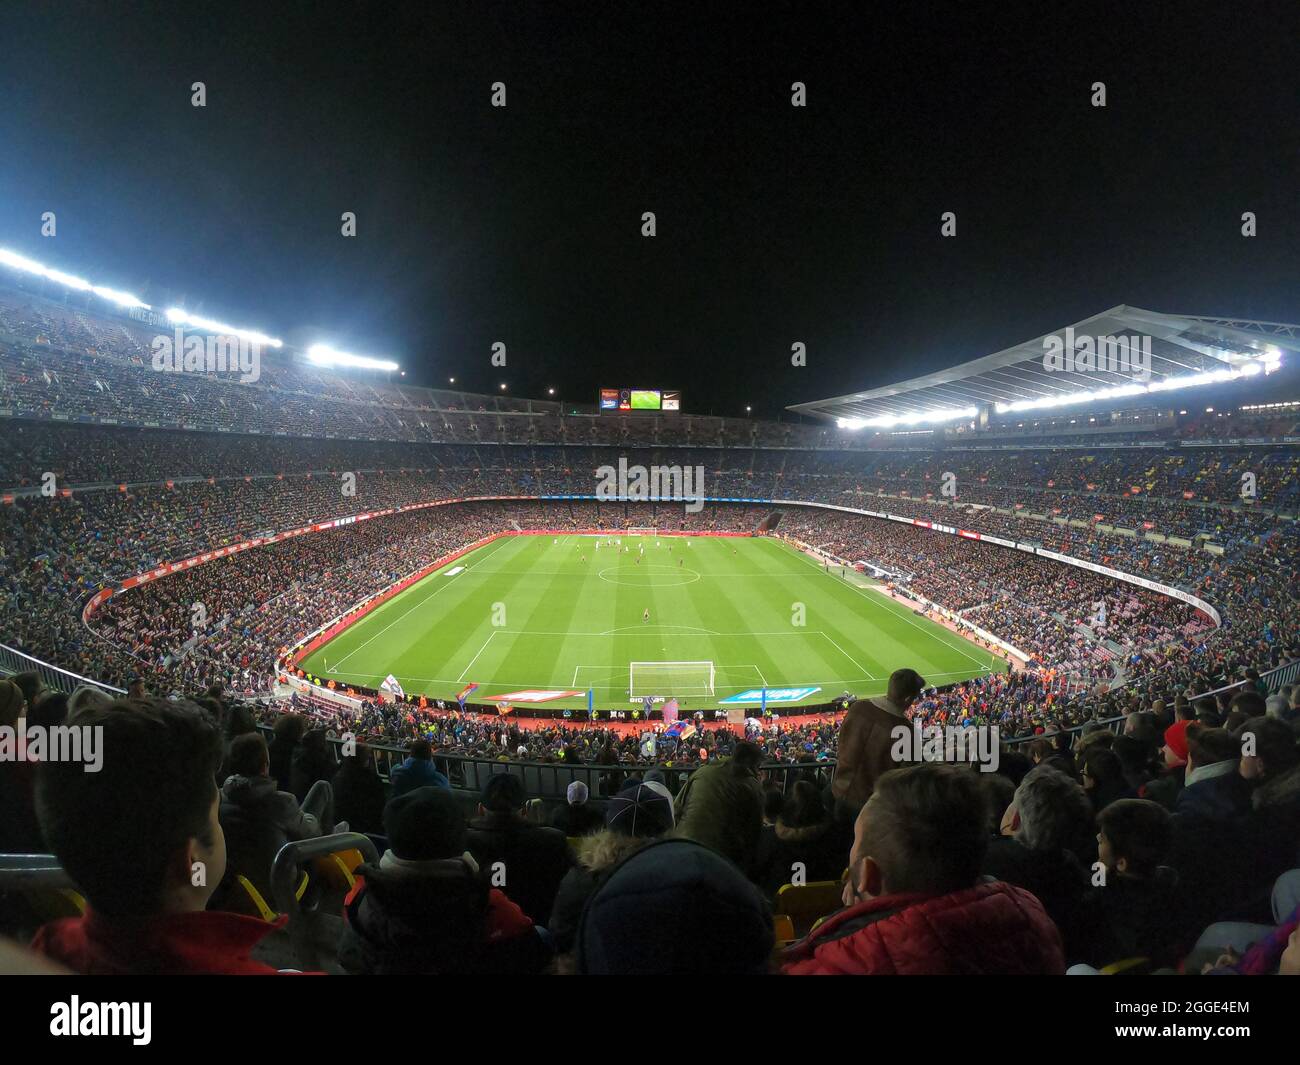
(643, 530)
(670, 679)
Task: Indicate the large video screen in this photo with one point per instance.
(630, 399)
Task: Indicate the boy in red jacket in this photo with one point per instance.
(914, 900)
(140, 837)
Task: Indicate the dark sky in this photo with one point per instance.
(775, 224)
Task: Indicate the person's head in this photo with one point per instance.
(239, 721)
(713, 919)
(1053, 811)
(135, 688)
(11, 704)
(1207, 746)
(1101, 766)
(420, 750)
(1134, 836)
(924, 829)
(1249, 702)
(30, 684)
(576, 793)
(425, 824)
(249, 756)
(134, 835)
(1276, 705)
(642, 811)
(49, 710)
(1175, 748)
(803, 807)
(905, 687)
(1038, 750)
(289, 728)
(1191, 711)
(503, 793)
(1143, 728)
(747, 757)
(1268, 749)
(85, 695)
(773, 802)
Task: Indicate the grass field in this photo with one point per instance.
(526, 612)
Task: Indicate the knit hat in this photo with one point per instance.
(576, 793)
(425, 824)
(641, 810)
(675, 907)
(1176, 739)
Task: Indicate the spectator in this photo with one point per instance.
(426, 908)
(866, 748)
(1045, 847)
(20, 832)
(288, 731)
(577, 817)
(634, 817)
(418, 771)
(131, 836)
(1213, 789)
(259, 819)
(721, 805)
(1103, 777)
(803, 842)
(674, 908)
(1270, 763)
(312, 761)
(1135, 908)
(530, 858)
(359, 792)
(915, 902)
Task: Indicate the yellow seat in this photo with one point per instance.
(1127, 967)
(337, 869)
(51, 904)
(248, 900)
(783, 929)
(805, 903)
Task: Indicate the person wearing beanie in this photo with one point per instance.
(1270, 764)
(636, 816)
(427, 908)
(577, 817)
(532, 858)
(674, 907)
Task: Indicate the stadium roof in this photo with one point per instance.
(1185, 350)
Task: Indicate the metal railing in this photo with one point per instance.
(14, 661)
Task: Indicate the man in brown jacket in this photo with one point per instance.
(867, 741)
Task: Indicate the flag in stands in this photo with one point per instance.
(390, 684)
(504, 708)
(464, 694)
(670, 710)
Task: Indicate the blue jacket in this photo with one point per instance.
(417, 773)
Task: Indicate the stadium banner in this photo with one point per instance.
(758, 696)
(530, 695)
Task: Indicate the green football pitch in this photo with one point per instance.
(730, 614)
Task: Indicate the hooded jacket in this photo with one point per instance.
(438, 916)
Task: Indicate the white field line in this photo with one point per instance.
(849, 657)
(476, 657)
(439, 587)
(880, 597)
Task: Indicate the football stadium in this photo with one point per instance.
(337, 640)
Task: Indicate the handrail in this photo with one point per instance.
(284, 884)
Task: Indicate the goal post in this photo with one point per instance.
(643, 530)
(670, 679)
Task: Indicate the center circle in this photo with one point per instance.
(644, 579)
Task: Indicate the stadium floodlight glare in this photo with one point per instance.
(180, 317)
(929, 417)
(324, 355)
(31, 266)
(1267, 363)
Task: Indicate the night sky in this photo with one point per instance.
(775, 224)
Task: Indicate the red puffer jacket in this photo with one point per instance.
(992, 928)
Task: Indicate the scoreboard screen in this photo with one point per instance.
(629, 399)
